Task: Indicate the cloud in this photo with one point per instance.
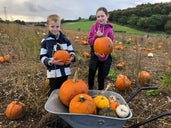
(38, 10)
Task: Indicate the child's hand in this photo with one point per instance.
(99, 55)
(56, 62)
(69, 60)
(99, 33)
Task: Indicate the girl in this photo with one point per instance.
(98, 61)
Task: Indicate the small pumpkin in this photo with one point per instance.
(107, 112)
(15, 110)
(112, 98)
(169, 64)
(143, 78)
(120, 65)
(103, 45)
(71, 88)
(61, 55)
(83, 104)
(7, 58)
(1, 59)
(122, 82)
(86, 54)
(113, 103)
(101, 101)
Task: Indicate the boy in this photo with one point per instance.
(57, 71)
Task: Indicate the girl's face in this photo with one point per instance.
(54, 27)
(101, 17)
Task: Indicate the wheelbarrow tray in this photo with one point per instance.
(54, 105)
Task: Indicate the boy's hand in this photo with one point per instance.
(69, 60)
(56, 62)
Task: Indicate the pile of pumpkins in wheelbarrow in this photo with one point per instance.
(74, 94)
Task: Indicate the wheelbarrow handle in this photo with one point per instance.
(140, 89)
(150, 119)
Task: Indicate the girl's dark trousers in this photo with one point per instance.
(103, 68)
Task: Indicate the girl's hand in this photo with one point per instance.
(99, 55)
(56, 62)
(99, 33)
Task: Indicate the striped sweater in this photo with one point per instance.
(48, 47)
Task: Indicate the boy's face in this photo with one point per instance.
(54, 27)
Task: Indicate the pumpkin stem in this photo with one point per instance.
(19, 98)
(108, 86)
(60, 46)
(81, 99)
(75, 78)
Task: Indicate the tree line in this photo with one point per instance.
(149, 17)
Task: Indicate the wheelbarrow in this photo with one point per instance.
(54, 105)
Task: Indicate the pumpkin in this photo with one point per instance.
(120, 65)
(122, 111)
(113, 105)
(86, 54)
(112, 98)
(103, 45)
(83, 104)
(7, 58)
(122, 82)
(143, 78)
(71, 88)
(1, 59)
(107, 112)
(15, 110)
(169, 64)
(101, 101)
(61, 55)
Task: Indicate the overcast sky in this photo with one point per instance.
(38, 10)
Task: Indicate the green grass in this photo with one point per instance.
(85, 26)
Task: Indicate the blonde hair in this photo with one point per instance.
(53, 17)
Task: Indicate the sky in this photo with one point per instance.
(38, 10)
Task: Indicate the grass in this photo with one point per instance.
(85, 26)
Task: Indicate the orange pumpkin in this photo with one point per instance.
(143, 78)
(122, 82)
(120, 65)
(83, 104)
(113, 105)
(169, 64)
(61, 55)
(71, 88)
(7, 58)
(86, 54)
(15, 110)
(103, 45)
(1, 59)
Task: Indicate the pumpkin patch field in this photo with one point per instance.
(138, 61)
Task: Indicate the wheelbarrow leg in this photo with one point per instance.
(150, 119)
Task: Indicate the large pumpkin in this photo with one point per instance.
(71, 88)
(61, 55)
(103, 45)
(122, 82)
(83, 104)
(143, 78)
(15, 110)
